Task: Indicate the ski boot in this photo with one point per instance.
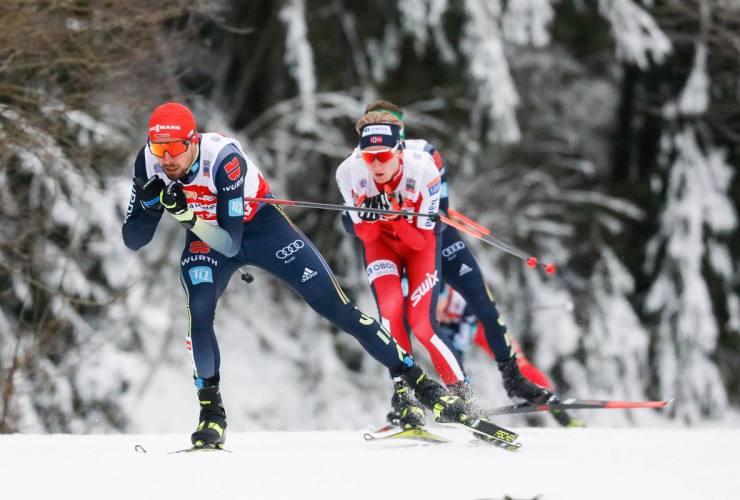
(406, 411)
(464, 391)
(430, 393)
(520, 389)
(211, 431)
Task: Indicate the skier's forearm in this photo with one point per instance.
(139, 228)
(410, 235)
(215, 237)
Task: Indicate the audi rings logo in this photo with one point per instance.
(455, 247)
(286, 252)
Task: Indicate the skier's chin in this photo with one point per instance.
(173, 176)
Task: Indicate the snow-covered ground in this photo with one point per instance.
(554, 463)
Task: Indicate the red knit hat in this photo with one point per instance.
(172, 121)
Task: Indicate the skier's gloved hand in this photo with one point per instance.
(364, 201)
(148, 192)
(391, 203)
(174, 200)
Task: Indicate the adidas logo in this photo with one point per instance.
(465, 269)
(308, 274)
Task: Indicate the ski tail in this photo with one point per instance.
(415, 434)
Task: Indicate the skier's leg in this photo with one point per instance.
(384, 276)
(275, 244)
(204, 276)
(423, 278)
(384, 271)
(461, 271)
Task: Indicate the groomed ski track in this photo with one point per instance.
(554, 463)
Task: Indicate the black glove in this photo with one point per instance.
(148, 193)
(364, 201)
(174, 200)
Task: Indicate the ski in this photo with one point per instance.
(490, 433)
(574, 404)
(195, 449)
(198, 449)
(392, 432)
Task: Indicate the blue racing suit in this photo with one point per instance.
(231, 232)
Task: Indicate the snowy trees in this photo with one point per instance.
(64, 312)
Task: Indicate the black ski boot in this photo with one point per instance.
(406, 411)
(211, 430)
(518, 388)
(446, 407)
(464, 391)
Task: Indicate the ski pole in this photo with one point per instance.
(470, 222)
(484, 235)
(329, 206)
(489, 238)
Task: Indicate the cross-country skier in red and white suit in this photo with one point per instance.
(380, 174)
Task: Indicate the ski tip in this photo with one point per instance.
(139, 449)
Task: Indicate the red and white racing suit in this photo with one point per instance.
(404, 243)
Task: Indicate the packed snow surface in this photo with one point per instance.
(553, 464)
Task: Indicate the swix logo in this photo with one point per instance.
(308, 274)
(233, 170)
(452, 249)
(376, 140)
(424, 288)
(199, 247)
